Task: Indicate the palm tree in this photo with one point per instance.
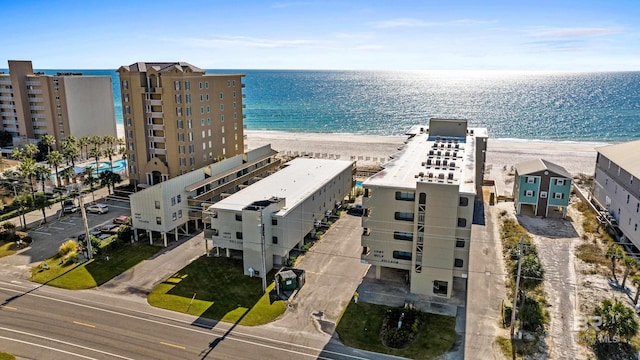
(42, 173)
(30, 151)
(48, 141)
(17, 154)
(54, 159)
(70, 152)
(84, 141)
(109, 178)
(109, 152)
(614, 253)
(97, 141)
(90, 180)
(629, 263)
(636, 281)
(27, 170)
(618, 320)
(109, 140)
(96, 153)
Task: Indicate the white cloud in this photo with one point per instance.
(417, 23)
(576, 32)
(247, 42)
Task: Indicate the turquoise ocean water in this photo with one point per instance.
(572, 106)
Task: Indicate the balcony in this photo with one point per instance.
(155, 127)
(5, 82)
(158, 151)
(7, 113)
(38, 116)
(33, 82)
(12, 129)
(155, 114)
(9, 122)
(6, 90)
(153, 102)
(7, 106)
(34, 91)
(155, 90)
(160, 139)
(39, 123)
(32, 107)
(40, 131)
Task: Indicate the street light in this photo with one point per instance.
(84, 222)
(23, 225)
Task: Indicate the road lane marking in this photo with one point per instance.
(7, 307)
(47, 347)
(220, 331)
(84, 324)
(61, 342)
(173, 345)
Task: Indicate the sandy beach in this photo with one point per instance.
(576, 157)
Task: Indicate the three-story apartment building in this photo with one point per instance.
(617, 186)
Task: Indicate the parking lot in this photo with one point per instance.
(47, 237)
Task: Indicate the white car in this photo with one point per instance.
(98, 208)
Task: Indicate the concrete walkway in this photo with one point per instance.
(142, 278)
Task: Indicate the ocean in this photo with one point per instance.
(566, 106)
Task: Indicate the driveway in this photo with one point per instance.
(333, 273)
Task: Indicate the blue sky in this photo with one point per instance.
(361, 35)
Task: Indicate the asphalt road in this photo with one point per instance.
(39, 322)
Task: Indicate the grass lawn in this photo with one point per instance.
(6, 249)
(94, 272)
(222, 292)
(6, 356)
(360, 326)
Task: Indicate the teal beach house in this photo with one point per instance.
(540, 188)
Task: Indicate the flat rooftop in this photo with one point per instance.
(446, 160)
(299, 179)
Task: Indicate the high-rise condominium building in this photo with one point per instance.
(35, 104)
(177, 118)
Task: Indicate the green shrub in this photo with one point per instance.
(67, 247)
(71, 258)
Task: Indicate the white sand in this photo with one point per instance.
(576, 157)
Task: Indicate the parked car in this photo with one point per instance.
(121, 220)
(109, 228)
(69, 207)
(98, 208)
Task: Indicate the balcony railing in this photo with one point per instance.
(7, 113)
(39, 123)
(35, 107)
(33, 82)
(158, 151)
(9, 122)
(7, 106)
(5, 82)
(5, 90)
(34, 91)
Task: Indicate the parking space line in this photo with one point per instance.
(56, 228)
(41, 232)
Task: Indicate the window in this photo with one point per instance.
(180, 136)
(178, 99)
(460, 243)
(402, 255)
(458, 263)
(187, 99)
(206, 97)
(179, 199)
(238, 217)
(402, 235)
(126, 97)
(173, 200)
(239, 235)
(221, 107)
(222, 118)
(220, 96)
(560, 182)
(440, 287)
(200, 85)
(157, 204)
(529, 193)
(180, 214)
(405, 196)
(404, 216)
(187, 86)
(202, 110)
(206, 84)
(178, 111)
(463, 201)
(462, 222)
(558, 195)
(174, 216)
(127, 109)
(125, 84)
(531, 180)
(208, 109)
(180, 124)
(158, 220)
(274, 222)
(176, 85)
(274, 239)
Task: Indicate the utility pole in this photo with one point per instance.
(515, 294)
(23, 223)
(87, 236)
(264, 259)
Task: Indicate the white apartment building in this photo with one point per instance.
(419, 209)
(169, 207)
(617, 186)
(279, 211)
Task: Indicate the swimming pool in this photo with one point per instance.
(118, 166)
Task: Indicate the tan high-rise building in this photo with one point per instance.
(177, 118)
(35, 104)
